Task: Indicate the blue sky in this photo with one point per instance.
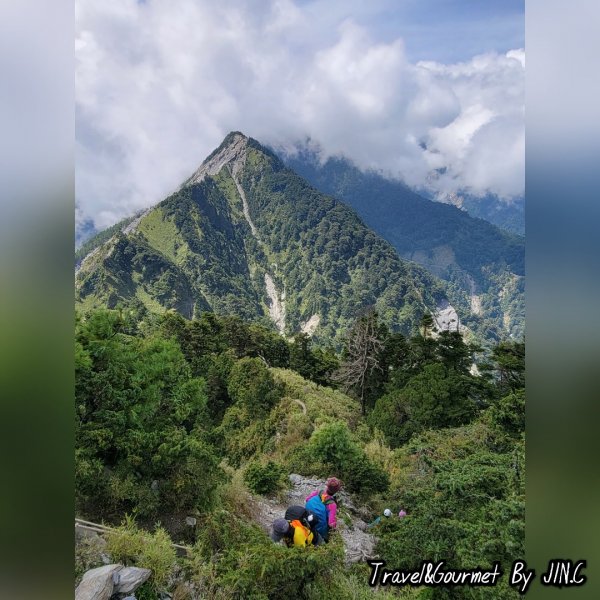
(440, 30)
(429, 92)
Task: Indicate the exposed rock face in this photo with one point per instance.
(277, 305)
(358, 544)
(134, 224)
(130, 578)
(245, 207)
(232, 154)
(311, 325)
(446, 317)
(474, 298)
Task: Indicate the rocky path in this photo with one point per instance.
(359, 545)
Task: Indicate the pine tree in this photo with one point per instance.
(428, 324)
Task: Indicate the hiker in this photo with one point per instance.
(323, 504)
(292, 533)
(307, 518)
(387, 513)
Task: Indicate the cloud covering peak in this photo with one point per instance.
(159, 84)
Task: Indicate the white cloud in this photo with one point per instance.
(160, 83)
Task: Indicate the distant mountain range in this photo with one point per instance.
(483, 265)
(506, 215)
(246, 235)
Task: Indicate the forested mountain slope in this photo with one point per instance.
(483, 264)
(246, 236)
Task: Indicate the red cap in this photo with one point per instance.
(334, 485)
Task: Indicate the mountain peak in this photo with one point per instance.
(231, 152)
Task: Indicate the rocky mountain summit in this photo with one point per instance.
(246, 236)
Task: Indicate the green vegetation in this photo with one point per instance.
(130, 545)
(190, 407)
(141, 436)
(195, 252)
(467, 252)
(334, 450)
(264, 479)
(178, 418)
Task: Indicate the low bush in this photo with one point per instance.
(130, 545)
(264, 478)
(332, 447)
(238, 559)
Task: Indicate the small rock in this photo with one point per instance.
(190, 521)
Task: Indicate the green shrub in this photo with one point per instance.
(391, 416)
(233, 555)
(251, 384)
(333, 447)
(364, 476)
(130, 545)
(508, 414)
(141, 419)
(332, 444)
(264, 479)
(302, 460)
(244, 435)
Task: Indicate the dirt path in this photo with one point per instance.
(301, 405)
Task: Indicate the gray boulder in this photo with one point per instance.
(97, 584)
(103, 582)
(129, 579)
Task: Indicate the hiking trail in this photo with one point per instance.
(358, 544)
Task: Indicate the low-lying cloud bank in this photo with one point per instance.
(160, 83)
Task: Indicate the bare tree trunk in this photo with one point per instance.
(363, 348)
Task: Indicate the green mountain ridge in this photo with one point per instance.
(246, 236)
(483, 265)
